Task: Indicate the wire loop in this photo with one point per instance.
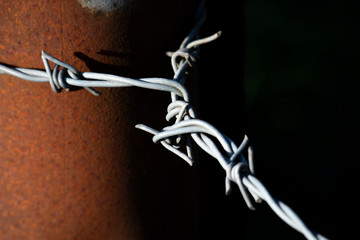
(57, 78)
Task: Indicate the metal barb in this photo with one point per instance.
(57, 78)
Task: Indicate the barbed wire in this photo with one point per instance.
(186, 127)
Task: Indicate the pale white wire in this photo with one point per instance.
(186, 127)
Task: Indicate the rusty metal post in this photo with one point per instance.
(72, 165)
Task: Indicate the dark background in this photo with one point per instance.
(286, 74)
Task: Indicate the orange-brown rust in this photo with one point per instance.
(72, 166)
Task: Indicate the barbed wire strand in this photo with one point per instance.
(186, 128)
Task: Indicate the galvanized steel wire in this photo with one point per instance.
(186, 128)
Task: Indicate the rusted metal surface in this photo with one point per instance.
(72, 166)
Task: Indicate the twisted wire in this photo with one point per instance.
(186, 128)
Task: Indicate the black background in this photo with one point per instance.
(286, 74)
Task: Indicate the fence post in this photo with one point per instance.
(72, 165)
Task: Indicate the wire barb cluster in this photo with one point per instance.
(186, 127)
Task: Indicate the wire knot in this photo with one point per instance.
(189, 51)
(190, 55)
(57, 77)
(235, 172)
(180, 110)
(237, 168)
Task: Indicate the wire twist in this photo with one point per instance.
(186, 127)
(57, 78)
